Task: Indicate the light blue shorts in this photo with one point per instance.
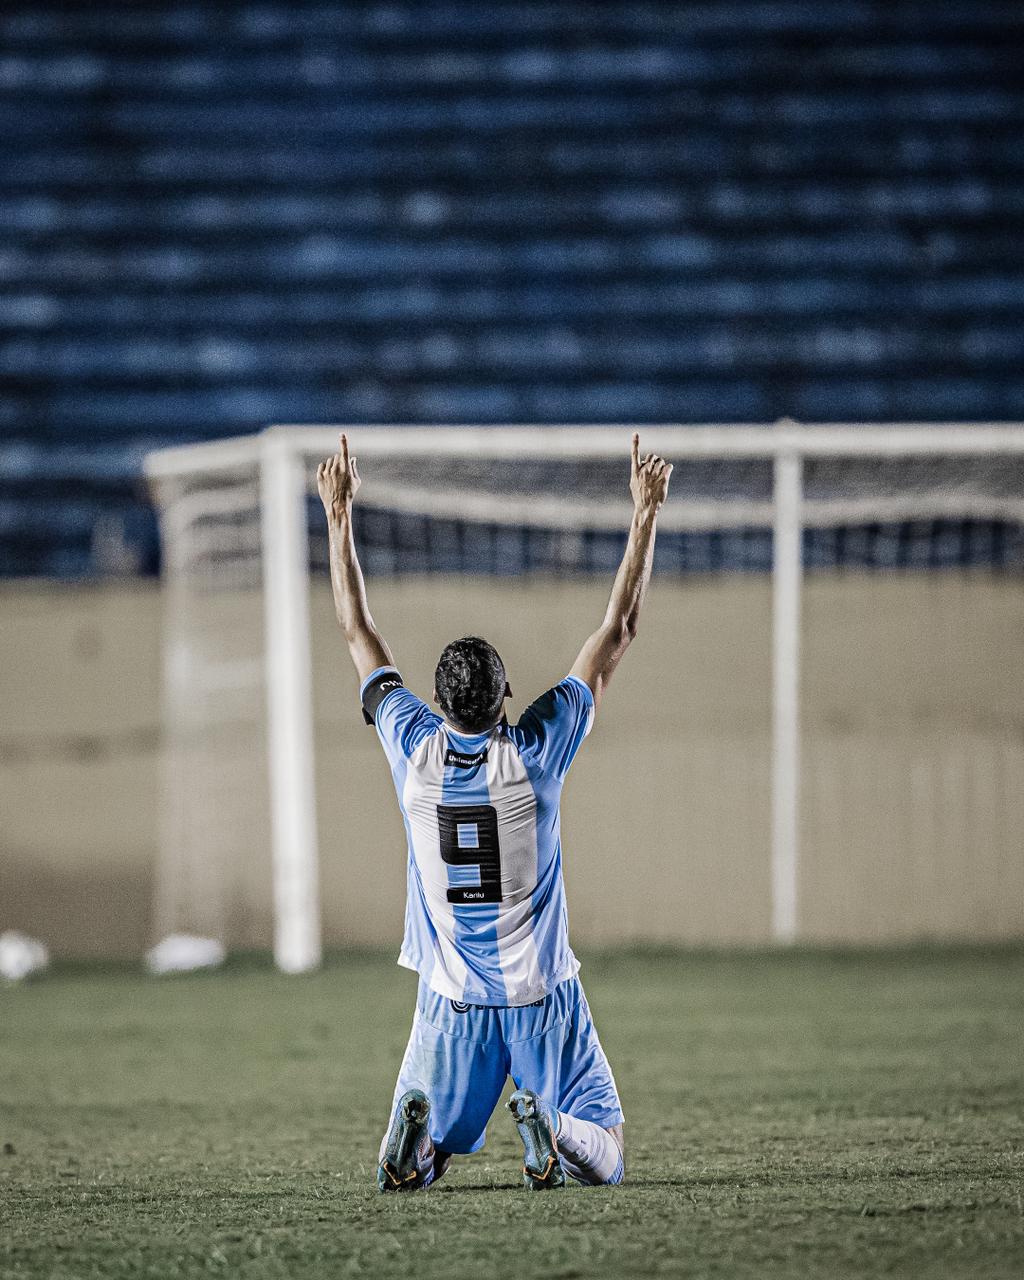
(460, 1056)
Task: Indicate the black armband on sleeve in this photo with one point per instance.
(377, 690)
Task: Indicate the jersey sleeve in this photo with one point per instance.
(401, 718)
(552, 729)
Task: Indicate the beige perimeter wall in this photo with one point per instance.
(913, 816)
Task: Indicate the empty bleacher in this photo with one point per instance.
(216, 216)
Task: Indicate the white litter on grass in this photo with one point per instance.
(21, 955)
(183, 952)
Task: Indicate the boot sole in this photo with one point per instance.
(523, 1108)
(393, 1172)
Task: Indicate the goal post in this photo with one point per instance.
(238, 511)
(785, 795)
(289, 705)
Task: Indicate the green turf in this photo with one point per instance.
(787, 1115)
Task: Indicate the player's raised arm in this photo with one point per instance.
(648, 483)
(338, 482)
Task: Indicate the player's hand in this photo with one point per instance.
(649, 477)
(338, 482)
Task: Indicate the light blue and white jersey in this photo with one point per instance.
(485, 918)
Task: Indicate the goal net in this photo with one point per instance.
(833, 735)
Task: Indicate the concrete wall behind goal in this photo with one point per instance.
(913, 817)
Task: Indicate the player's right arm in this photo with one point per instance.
(602, 653)
(338, 481)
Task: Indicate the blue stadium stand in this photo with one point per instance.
(216, 216)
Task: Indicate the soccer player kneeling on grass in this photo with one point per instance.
(485, 923)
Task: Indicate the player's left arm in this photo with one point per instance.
(338, 482)
(603, 651)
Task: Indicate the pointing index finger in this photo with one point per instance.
(344, 449)
(636, 451)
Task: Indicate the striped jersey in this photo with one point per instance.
(485, 917)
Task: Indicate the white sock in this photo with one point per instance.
(589, 1153)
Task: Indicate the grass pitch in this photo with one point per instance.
(787, 1115)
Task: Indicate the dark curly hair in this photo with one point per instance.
(470, 682)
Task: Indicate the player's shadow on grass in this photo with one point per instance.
(475, 1186)
(648, 1184)
(659, 1184)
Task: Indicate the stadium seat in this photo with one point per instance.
(219, 217)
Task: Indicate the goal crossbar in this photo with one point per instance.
(742, 441)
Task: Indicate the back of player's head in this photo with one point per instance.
(471, 684)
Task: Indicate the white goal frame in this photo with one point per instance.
(280, 453)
